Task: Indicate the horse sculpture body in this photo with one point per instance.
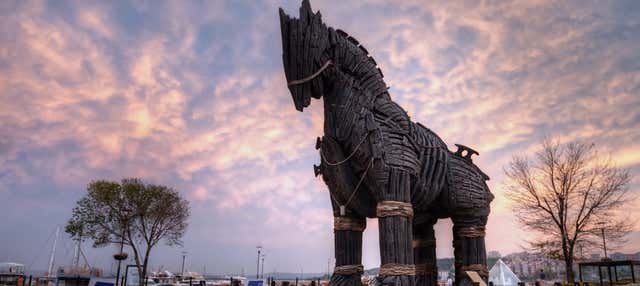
(376, 162)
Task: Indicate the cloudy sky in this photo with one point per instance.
(192, 95)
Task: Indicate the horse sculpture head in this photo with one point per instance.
(304, 42)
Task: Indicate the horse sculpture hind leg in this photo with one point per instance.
(470, 198)
(424, 250)
(469, 248)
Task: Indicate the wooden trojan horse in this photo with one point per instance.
(376, 162)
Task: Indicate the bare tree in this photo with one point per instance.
(131, 212)
(567, 194)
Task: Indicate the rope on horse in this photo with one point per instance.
(423, 243)
(349, 269)
(394, 208)
(472, 231)
(353, 194)
(395, 269)
(360, 182)
(426, 269)
(480, 268)
(348, 223)
(314, 75)
(324, 159)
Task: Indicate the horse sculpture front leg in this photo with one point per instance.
(395, 214)
(347, 230)
(349, 210)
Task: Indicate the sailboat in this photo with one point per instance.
(76, 275)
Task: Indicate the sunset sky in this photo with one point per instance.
(192, 94)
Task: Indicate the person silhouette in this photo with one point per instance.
(543, 276)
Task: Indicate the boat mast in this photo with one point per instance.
(76, 255)
(53, 252)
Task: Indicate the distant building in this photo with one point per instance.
(494, 254)
(625, 256)
(527, 265)
(443, 274)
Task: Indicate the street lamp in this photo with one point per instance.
(184, 255)
(604, 242)
(262, 271)
(259, 247)
(119, 257)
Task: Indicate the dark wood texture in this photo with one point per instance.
(424, 251)
(372, 152)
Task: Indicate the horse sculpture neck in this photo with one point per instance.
(355, 63)
(353, 69)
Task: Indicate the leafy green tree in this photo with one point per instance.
(131, 212)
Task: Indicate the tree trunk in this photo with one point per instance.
(568, 261)
(569, 267)
(136, 257)
(567, 251)
(143, 270)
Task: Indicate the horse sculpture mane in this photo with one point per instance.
(376, 162)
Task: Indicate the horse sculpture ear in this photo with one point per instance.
(306, 14)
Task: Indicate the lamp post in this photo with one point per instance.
(604, 241)
(119, 257)
(604, 244)
(329, 268)
(259, 247)
(184, 255)
(262, 271)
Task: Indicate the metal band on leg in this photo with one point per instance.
(394, 208)
(349, 269)
(349, 223)
(395, 269)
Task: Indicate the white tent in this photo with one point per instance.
(501, 275)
